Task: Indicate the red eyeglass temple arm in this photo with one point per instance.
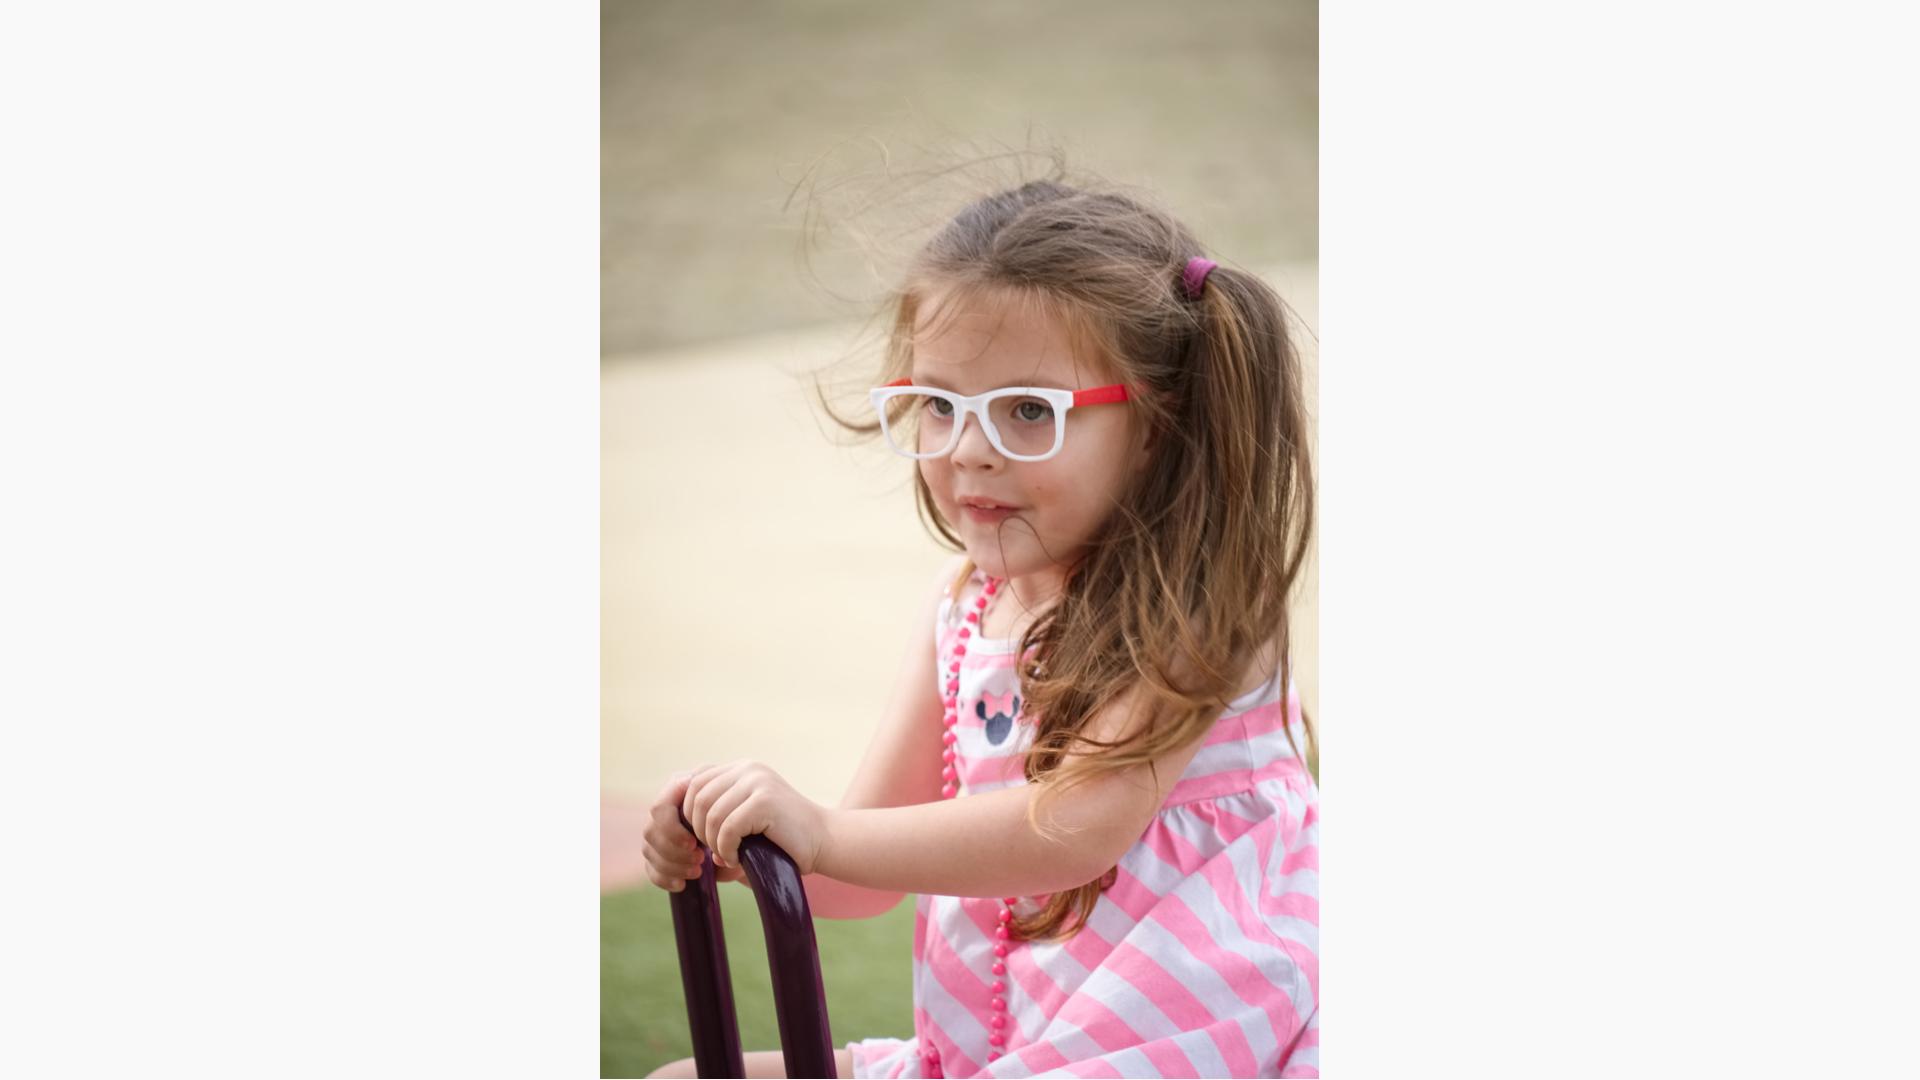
(1099, 395)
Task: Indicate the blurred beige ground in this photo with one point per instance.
(761, 583)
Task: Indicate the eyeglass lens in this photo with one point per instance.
(926, 424)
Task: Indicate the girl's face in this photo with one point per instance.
(1059, 505)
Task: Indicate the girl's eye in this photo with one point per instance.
(940, 407)
(1033, 411)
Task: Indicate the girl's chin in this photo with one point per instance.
(998, 551)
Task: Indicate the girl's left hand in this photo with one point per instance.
(724, 803)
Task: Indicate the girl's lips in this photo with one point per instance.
(998, 513)
(989, 514)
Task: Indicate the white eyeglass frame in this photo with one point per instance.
(1062, 401)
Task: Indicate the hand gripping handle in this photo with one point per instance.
(793, 961)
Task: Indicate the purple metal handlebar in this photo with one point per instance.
(793, 960)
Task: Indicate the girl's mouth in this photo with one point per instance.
(998, 513)
(986, 510)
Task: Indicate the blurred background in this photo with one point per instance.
(762, 167)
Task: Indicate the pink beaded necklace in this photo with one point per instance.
(998, 1019)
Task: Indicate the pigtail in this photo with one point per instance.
(1241, 352)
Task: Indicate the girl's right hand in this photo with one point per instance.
(673, 855)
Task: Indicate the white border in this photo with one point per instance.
(1618, 631)
(299, 564)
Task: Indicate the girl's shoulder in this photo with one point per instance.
(1261, 671)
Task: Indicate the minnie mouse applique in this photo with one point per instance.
(997, 713)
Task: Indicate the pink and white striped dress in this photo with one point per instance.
(1202, 959)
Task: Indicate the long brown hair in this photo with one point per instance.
(1190, 578)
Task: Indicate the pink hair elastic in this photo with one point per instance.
(1196, 276)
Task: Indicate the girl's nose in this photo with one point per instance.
(974, 449)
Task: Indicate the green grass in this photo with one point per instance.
(866, 965)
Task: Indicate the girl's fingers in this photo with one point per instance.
(670, 866)
(741, 819)
(706, 786)
(671, 853)
(672, 873)
(665, 828)
(670, 840)
(670, 860)
(723, 809)
(665, 811)
(671, 806)
(662, 877)
(689, 798)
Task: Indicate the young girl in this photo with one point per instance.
(1090, 776)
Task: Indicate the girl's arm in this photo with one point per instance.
(902, 765)
(981, 845)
